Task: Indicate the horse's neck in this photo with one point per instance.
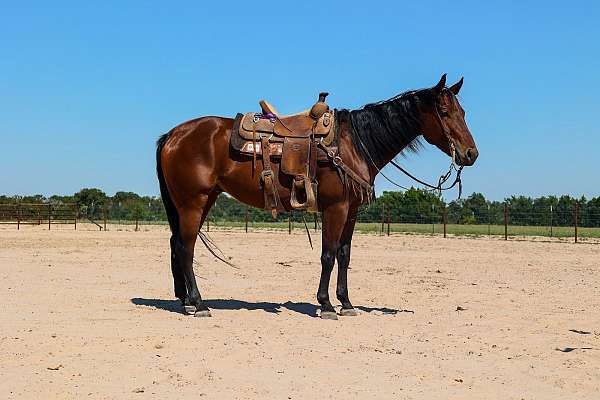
(367, 168)
(396, 137)
(393, 152)
(352, 157)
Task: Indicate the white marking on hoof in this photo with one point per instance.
(203, 313)
(189, 310)
(328, 315)
(348, 312)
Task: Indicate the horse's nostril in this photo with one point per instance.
(472, 154)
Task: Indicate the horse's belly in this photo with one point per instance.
(244, 185)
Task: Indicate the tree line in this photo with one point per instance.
(411, 206)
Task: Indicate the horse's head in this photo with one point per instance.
(444, 123)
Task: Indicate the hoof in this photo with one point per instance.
(348, 312)
(202, 313)
(189, 310)
(328, 315)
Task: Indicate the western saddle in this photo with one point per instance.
(297, 140)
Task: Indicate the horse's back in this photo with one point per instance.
(199, 129)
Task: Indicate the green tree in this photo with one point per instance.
(91, 202)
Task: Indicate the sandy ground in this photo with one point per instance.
(90, 314)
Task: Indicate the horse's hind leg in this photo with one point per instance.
(189, 222)
(212, 197)
(177, 263)
(178, 276)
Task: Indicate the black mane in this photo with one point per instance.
(384, 129)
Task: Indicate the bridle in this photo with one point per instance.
(443, 178)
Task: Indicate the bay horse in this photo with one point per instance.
(195, 164)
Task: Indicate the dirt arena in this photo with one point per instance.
(91, 315)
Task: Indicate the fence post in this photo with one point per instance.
(49, 215)
(104, 215)
(445, 217)
(18, 216)
(290, 223)
(76, 215)
(576, 219)
(207, 224)
(316, 216)
(505, 221)
(136, 224)
(246, 219)
(551, 219)
(382, 217)
(489, 221)
(389, 217)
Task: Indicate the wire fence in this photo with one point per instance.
(504, 223)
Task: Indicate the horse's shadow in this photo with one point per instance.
(232, 304)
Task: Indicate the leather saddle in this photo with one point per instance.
(291, 140)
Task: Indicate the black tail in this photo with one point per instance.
(172, 215)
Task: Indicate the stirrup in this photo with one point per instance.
(303, 183)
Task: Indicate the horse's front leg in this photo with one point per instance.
(334, 219)
(327, 261)
(343, 259)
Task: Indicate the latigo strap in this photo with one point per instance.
(269, 179)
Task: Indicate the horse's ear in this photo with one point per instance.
(440, 85)
(456, 87)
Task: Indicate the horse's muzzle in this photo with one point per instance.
(468, 158)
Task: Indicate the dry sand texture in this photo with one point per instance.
(90, 315)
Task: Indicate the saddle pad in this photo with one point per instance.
(275, 149)
(295, 156)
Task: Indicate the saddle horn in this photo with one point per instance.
(320, 107)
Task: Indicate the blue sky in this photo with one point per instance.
(85, 89)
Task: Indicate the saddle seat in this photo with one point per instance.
(293, 140)
(268, 108)
(316, 121)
